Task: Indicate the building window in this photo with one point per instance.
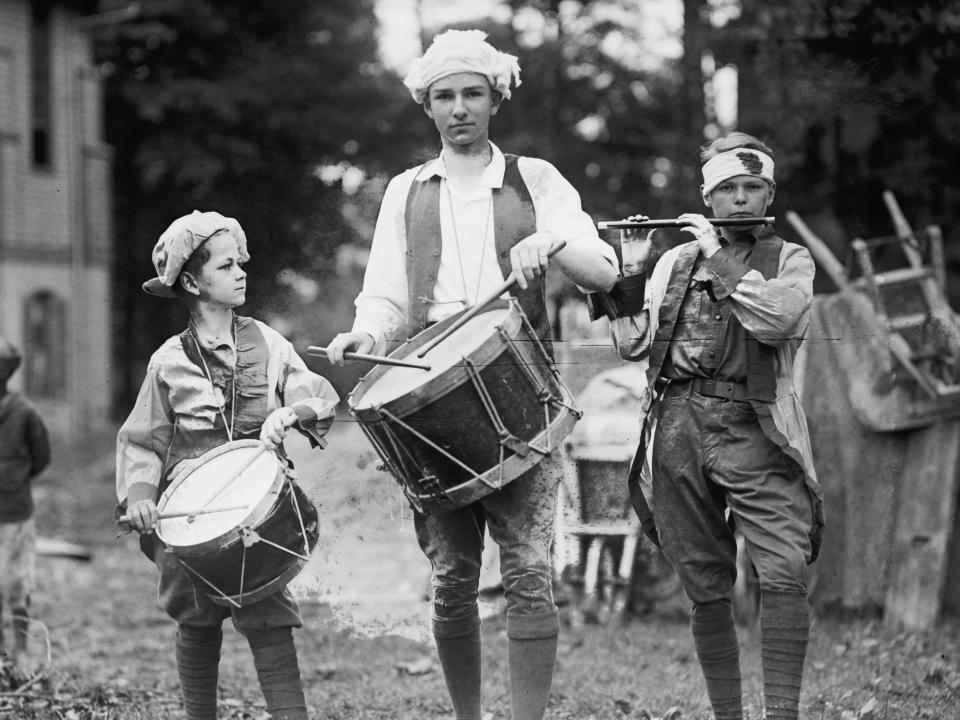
(41, 87)
(45, 357)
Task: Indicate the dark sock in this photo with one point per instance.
(715, 639)
(275, 658)
(21, 629)
(532, 656)
(784, 631)
(459, 651)
(198, 665)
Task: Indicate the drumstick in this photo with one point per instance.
(261, 449)
(674, 222)
(476, 309)
(316, 350)
(188, 513)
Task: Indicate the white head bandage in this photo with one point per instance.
(456, 51)
(739, 161)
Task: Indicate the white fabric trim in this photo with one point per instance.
(739, 161)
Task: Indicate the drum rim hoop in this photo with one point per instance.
(442, 383)
(256, 511)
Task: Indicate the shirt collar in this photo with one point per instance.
(492, 174)
(761, 233)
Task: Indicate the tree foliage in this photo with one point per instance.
(234, 107)
(282, 115)
(860, 96)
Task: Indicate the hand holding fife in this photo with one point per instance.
(274, 428)
(529, 257)
(359, 342)
(706, 234)
(635, 246)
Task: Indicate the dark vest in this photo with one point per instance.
(761, 371)
(514, 219)
(251, 393)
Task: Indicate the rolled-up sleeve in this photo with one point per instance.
(144, 437)
(776, 311)
(311, 397)
(559, 210)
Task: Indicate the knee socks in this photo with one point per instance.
(278, 669)
(198, 665)
(458, 648)
(532, 656)
(21, 629)
(784, 631)
(715, 639)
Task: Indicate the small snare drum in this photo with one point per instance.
(255, 527)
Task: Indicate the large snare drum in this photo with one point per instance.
(489, 409)
(246, 528)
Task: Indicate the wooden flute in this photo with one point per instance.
(674, 222)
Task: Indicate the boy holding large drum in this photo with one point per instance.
(449, 232)
(224, 379)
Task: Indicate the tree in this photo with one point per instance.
(236, 106)
(859, 97)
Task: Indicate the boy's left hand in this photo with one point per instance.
(275, 426)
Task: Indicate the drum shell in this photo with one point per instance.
(266, 569)
(450, 414)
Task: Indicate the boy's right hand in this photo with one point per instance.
(360, 342)
(142, 516)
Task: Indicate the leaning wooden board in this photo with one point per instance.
(925, 520)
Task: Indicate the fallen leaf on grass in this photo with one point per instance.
(416, 667)
(421, 666)
(869, 710)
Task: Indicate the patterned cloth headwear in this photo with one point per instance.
(457, 51)
(739, 161)
(178, 242)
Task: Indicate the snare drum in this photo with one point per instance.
(256, 529)
(491, 407)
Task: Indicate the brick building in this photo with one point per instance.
(55, 213)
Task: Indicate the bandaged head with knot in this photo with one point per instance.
(457, 51)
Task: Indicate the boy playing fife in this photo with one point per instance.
(224, 378)
(24, 453)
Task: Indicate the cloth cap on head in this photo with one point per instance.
(456, 51)
(179, 241)
(739, 161)
(9, 359)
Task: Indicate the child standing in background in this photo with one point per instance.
(24, 453)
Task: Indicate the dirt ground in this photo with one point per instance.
(365, 649)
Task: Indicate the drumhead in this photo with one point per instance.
(229, 476)
(396, 382)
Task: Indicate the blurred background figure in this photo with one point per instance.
(24, 453)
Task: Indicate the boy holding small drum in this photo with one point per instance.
(224, 378)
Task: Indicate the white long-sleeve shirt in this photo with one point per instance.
(468, 262)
